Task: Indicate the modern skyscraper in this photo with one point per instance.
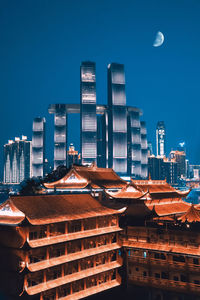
(134, 143)
(60, 133)
(117, 124)
(110, 135)
(160, 139)
(38, 146)
(17, 160)
(144, 150)
(88, 112)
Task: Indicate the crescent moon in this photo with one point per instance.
(159, 40)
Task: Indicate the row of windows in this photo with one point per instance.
(57, 250)
(164, 275)
(55, 229)
(70, 268)
(161, 256)
(79, 285)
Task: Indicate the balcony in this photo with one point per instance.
(165, 284)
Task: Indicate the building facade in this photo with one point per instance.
(88, 112)
(117, 124)
(60, 249)
(38, 147)
(180, 158)
(110, 135)
(17, 160)
(73, 157)
(160, 139)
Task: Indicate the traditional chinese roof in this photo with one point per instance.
(130, 191)
(191, 215)
(159, 189)
(166, 209)
(70, 181)
(82, 176)
(46, 209)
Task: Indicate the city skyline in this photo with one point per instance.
(37, 63)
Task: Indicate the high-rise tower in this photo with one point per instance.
(17, 160)
(88, 112)
(117, 124)
(134, 142)
(38, 146)
(160, 139)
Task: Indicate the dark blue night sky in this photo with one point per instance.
(42, 43)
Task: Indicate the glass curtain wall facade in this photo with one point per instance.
(38, 146)
(160, 139)
(144, 150)
(88, 112)
(60, 135)
(117, 125)
(17, 160)
(134, 143)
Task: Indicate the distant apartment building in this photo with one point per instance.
(38, 147)
(180, 158)
(73, 157)
(162, 169)
(160, 139)
(17, 160)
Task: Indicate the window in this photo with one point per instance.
(137, 269)
(144, 273)
(74, 226)
(176, 278)
(164, 275)
(195, 261)
(183, 278)
(33, 235)
(114, 221)
(159, 256)
(89, 224)
(103, 222)
(179, 258)
(157, 275)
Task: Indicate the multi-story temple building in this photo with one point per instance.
(67, 242)
(58, 246)
(110, 135)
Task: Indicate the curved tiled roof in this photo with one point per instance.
(191, 215)
(159, 188)
(92, 175)
(45, 209)
(127, 192)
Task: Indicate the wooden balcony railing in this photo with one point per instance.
(164, 283)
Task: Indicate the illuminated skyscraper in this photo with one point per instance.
(160, 139)
(38, 146)
(60, 133)
(134, 143)
(88, 112)
(17, 160)
(117, 123)
(110, 135)
(144, 150)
